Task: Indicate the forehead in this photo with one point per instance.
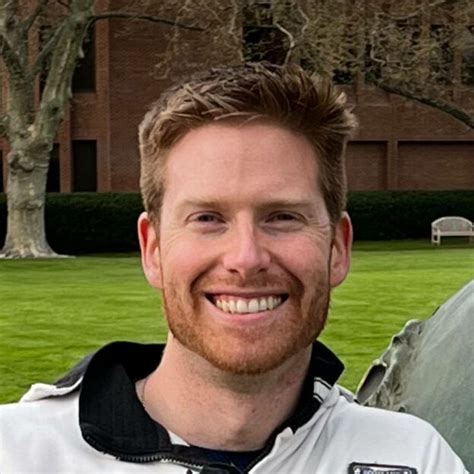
(251, 161)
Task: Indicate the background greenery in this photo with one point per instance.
(53, 312)
(106, 222)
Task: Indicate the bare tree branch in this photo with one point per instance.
(29, 22)
(8, 8)
(419, 11)
(11, 58)
(140, 16)
(63, 4)
(439, 104)
(306, 20)
(3, 125)
(47, 49)
(13, 46)
(291, 39)
(374, 58)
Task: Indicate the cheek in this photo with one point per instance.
(305, 259)
(182, 261)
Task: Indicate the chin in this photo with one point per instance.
(247, 349)
(237, 356)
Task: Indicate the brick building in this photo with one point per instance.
(402, 145)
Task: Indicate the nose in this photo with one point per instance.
(247, 254)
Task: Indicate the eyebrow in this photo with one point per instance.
(290, 204)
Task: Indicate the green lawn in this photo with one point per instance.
(54, 312)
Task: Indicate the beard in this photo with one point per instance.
(247, 351)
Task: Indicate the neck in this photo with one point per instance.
(218, 410)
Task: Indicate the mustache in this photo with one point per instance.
(289, 282)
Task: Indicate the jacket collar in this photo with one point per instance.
(112, 419)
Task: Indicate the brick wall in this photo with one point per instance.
(401, 144)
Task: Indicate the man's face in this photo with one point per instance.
(244, 252)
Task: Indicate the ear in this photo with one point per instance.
(341, 250)
(150, 252)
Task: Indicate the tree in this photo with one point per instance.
(419, 49)
(40, 44)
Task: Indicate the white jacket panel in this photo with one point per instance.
(44, 436)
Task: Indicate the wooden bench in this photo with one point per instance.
(451, 226)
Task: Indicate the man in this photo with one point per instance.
(245, 234)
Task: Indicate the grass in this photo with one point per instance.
(54, 312)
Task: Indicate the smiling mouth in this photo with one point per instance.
(239, 305)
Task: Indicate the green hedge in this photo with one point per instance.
(89, 222)
(391, 215)
(106, 222)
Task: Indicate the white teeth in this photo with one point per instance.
(270, 303)
(255, 305)
(242, 306)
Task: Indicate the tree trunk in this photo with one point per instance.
(26, 237)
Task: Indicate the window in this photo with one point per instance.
(84, 74)
(84, 169)
(343, 76)
(83, 79)
(53, 180)
(263, 41)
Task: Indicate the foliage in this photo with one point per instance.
(54, 312)
(89, 222)
(386, 215)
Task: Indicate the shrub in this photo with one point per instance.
(89, 222)
(389, 215)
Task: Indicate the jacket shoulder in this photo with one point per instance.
(34, 428)
(373, 431)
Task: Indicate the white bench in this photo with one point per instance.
(451, 226)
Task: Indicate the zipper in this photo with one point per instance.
(144, 458)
